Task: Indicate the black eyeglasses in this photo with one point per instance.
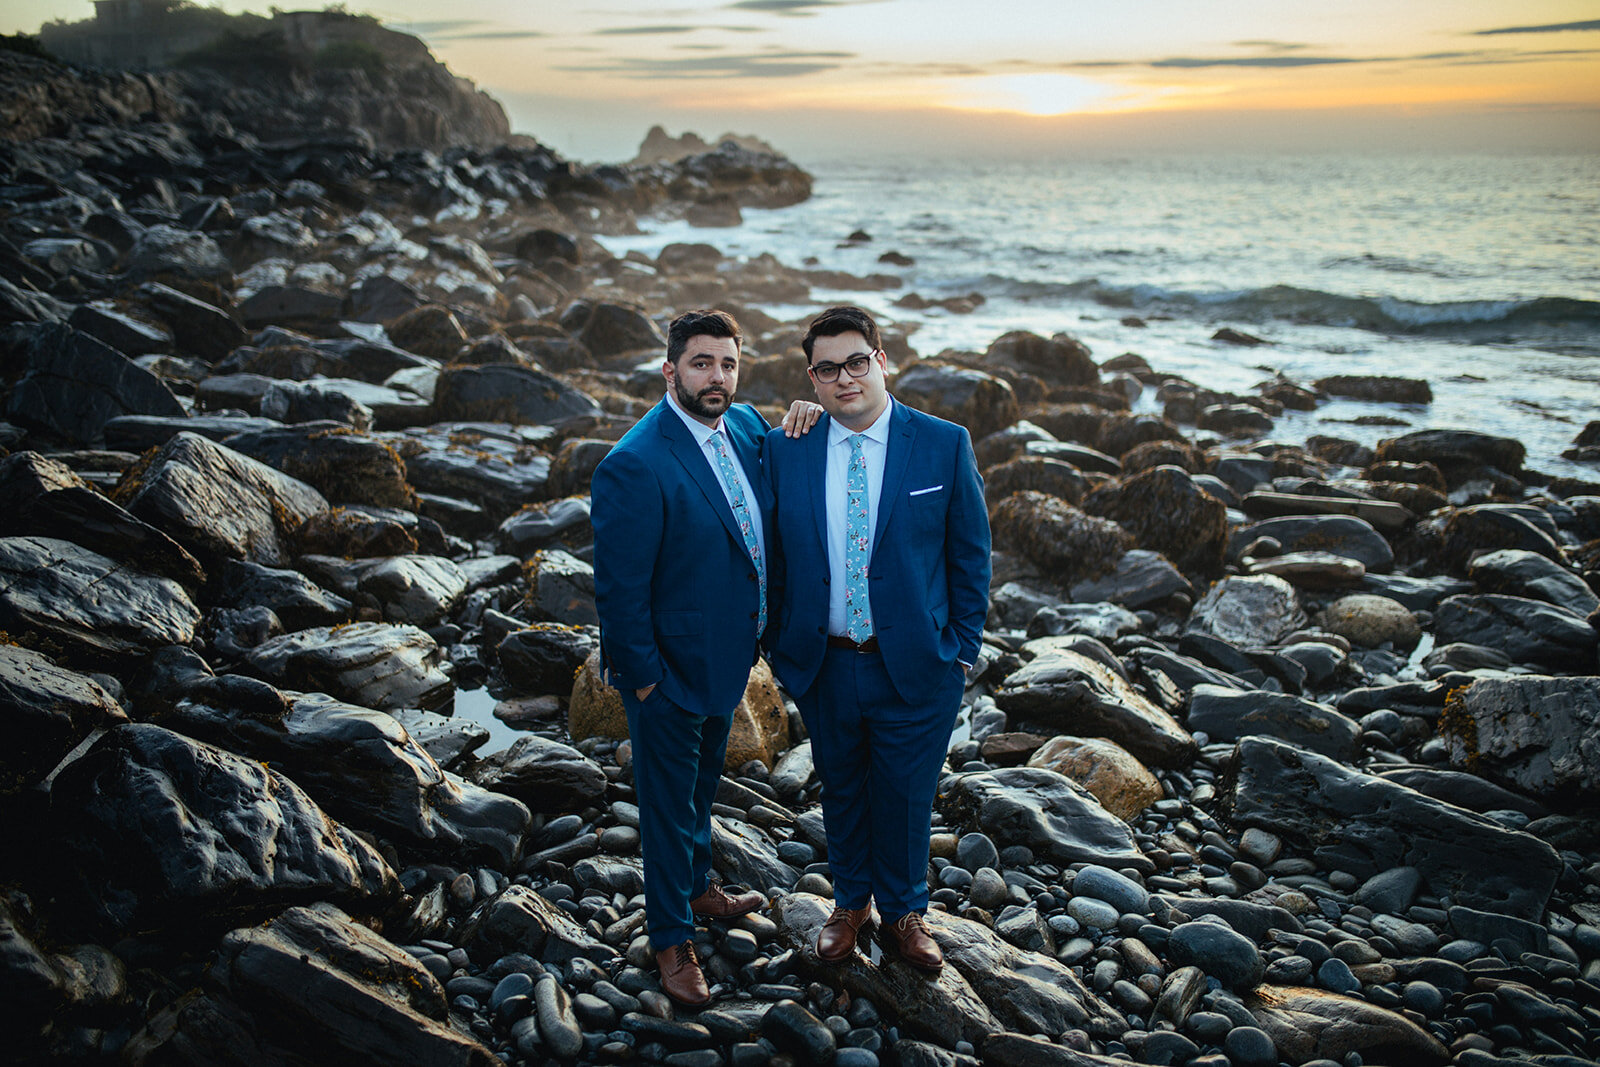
(828, 373)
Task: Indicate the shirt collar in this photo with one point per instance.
(838, 433)
(702, 433)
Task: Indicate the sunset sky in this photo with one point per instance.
(831, 77)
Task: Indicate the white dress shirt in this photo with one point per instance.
(702, 436)
(875, 449)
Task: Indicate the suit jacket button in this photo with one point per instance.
(755, 615)
(821, 630)
(826, 580)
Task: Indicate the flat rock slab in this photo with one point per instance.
(221, 504)
(360, 765)
(520, 920)
(744, 855)
(74, 384)
(369, 664)
(137, 433)
(1227, 715)
(945, 1009)
(47, 498)
(417, 589)
(1074, 693)
(160, 830)
(1529, 631)
(1519, 572)
(1342, 535)
(313, 985)
(1142, 579)
(1308, 1024)
(1048, 812)
(544, 774)
(1537, 734)
(45, 711)
(95, 611)
(1364, 824)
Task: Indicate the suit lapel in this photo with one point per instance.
(815, 465)
(693, 460)
(902, 434)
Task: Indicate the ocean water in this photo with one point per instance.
(1480, 274)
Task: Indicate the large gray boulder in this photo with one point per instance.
(157, 830)
(220, 504)
(1363, 824)
(1529, 631)
(95, 611)
(520, 920)
(1309, 1024)
(72, 384)
(1536, 734)
(1519, 572)
(361, 766)
(1072, 692)
(1262, 609)
(505, 392)
(48, 499)
(544, 774)
(1340, 535)
(312, 986)
(943, 1009)
(1048, 812)
(1228, 714)
(45, 710)
(369, 664)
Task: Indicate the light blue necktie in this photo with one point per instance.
(857, 541)
(741, 515)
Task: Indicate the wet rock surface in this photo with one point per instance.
(1272, 755)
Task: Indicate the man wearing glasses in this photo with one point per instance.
(879, 574)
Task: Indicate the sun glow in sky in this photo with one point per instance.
(590, 78)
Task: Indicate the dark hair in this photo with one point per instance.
(696, 323)
(844, 318)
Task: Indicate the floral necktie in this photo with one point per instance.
(857, 541)
(741, 515)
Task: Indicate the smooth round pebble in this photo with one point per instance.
(1335, 975)
(976, 850)
(1093, 913)
(1250, 1046)
(1104, 884)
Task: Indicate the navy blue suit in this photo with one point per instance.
(678, 598)
(880, 723)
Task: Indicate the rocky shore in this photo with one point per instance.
(1277, 752)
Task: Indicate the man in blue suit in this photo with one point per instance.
(680, 518)
(879, 547)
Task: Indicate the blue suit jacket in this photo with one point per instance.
(928, 578)
(675, 587)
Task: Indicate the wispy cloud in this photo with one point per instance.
(462, 30)
(642, 31)
(1272, 46)
(1256, 61)
(793, 8)
(1552, 27)
(762, 65)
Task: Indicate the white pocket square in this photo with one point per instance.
(930, 489)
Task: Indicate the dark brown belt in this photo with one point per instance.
(869, 645)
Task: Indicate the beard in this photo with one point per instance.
(709, 403)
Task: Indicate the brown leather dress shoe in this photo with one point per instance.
(718, 903)
(681, 977)
(909, 938)
(838, 937)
